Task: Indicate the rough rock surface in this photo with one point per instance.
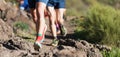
(6, 31)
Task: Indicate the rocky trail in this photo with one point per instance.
(12, 45)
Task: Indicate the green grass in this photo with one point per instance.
(23, 31)
(21, 25)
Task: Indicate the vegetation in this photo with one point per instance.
(22, 30)
(21, 25)
(110, 2)
(115, 52)
(101, 25)
(13, 1)
(76, 7)
(79, 7)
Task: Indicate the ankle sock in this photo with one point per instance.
(39, 34)
(39, 37)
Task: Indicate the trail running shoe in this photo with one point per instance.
(55, 42)
(63, 30)
(37, 45)
(40, 39)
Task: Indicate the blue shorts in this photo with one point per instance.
(24, 5)
(44, 1)
(56, 3)
(32, 3)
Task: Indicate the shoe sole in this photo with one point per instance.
(55, 44)
(37, 46)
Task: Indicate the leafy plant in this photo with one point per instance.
(101, 25)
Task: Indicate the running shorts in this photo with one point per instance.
(32, 3)
(56, 3)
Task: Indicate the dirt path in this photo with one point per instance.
(68, 47)
(49, 38)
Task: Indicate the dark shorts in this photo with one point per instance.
(56, 3)
(32, 3)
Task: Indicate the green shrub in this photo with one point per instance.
(21, 25)
(101, 25)
(115, 52)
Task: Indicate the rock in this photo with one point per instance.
(93, 52)
(67, 42)
(65, 53)
(7, 10)
(4, 53)
(46, 54)
(79, 45)
(69, 51)
(103, 47)
(6, 32)
(11, 12)
(18, 44)
(81, 49)
(14, 53)
(2, 5)
(81, 54)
